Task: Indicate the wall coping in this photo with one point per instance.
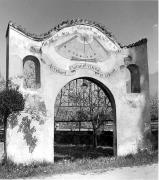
(69, 23)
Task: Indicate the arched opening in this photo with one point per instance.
(31, 71)
(85, 118)
(135, 78)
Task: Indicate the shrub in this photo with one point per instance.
(11, 101)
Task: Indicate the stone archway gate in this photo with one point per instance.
(74, 49)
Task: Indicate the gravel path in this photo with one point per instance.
(148, 172)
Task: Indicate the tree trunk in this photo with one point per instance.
(94, 138)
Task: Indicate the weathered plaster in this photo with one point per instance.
(132, 110)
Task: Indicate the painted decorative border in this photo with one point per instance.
(73, 22)
(73, 68)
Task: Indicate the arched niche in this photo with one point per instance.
(135, 78)
(31, 72)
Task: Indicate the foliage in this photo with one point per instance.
(154, 107)
(81, 116)
(35, 111)
(13, 119)
(2, 84)
(28, 131)
(36, 108)
(11, 100)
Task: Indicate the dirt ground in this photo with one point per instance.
(148, 172)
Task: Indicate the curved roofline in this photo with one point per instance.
(69, 23)
(62, 25)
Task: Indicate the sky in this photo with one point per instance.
(129, 21)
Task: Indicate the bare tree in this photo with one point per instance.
(90, 103)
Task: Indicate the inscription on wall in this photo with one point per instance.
(73, 68)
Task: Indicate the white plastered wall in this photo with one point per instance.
(132, 113)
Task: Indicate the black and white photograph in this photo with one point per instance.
(79, 89)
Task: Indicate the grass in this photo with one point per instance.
(72, 161)
(73, 152)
